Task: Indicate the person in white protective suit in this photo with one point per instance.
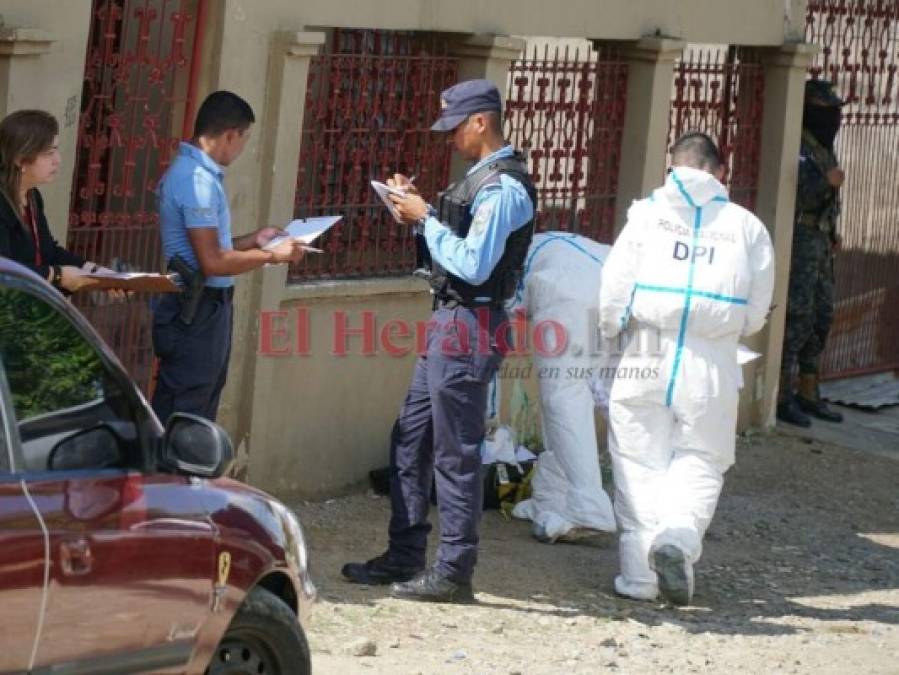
(695, 272)
(560, 283)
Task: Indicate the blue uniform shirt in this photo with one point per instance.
(497, 211)
(191, 194)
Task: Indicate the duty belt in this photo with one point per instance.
(216, 293)
(452, 303)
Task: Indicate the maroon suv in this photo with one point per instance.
(121, 548)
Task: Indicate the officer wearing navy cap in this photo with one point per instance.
(815, 237)
(477, 237)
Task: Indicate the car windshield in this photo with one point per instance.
(49, 366)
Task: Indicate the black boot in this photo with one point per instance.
(378, 571)
(788, 411)
(431, 586)
(818, 409)
(810, 401)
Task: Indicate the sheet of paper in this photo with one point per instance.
(305, 230)
(745, 355)
(522, 454)
(384, 191)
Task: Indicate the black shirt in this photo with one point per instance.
(17, 239)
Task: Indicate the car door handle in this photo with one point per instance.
(75, 557)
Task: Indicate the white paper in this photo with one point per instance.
(745, 355)
(305, 230)
(121, 276)
(499, 448)
(522, 454)
(384, 191)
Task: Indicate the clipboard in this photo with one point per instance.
(149, 282)
(305, 231)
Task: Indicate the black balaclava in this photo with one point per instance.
(823, 121)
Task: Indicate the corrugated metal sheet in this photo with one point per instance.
(870, 391)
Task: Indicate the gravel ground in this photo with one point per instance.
(800, 574)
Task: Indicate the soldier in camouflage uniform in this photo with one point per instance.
(815, 236)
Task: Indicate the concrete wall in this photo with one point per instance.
(45, 69)
(330, 416)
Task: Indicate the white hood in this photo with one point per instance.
(691, 188)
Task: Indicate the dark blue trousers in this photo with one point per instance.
(193, 359)
(438, 436)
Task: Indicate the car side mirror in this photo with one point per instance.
(96, 448)
(195, 446)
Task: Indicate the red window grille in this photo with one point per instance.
(859, 42)
(720, 91)
(135, 100)
(371, 98)
(565, 110)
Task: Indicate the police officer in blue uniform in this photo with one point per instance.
(192, 329)
(477, 238)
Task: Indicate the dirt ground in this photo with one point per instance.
(800, 574)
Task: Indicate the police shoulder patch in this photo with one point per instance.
(480, 220)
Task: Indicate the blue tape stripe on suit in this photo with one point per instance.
(682, 333)
(699, 294)
(568, 239)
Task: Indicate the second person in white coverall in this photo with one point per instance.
(560, 284)
(690, 273)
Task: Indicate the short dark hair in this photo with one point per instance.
(494, 121)
(221, 112)
(696, 150)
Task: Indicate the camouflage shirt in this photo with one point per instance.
(817, 201)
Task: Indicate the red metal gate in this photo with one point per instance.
(565, 110)
(370, 100)
(859, 42)
(135, 108)
(720, 91)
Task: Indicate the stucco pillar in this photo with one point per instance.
(785, 75)
(285, 103)
(645, 138)
(18, 48)
(794, 20)
(486, 57)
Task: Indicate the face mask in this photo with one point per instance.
(823, 122)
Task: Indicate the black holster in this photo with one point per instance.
(192, 284)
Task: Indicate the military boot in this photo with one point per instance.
(809, 399)
(787, 409)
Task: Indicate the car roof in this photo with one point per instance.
(42, 288)
(8, 266)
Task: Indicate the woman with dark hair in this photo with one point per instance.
(29, 157)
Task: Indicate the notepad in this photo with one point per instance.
(384, 191)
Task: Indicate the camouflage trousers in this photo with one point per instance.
(809, 300)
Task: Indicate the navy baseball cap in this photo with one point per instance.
(464, 99)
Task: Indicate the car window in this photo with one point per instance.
(69, 409)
